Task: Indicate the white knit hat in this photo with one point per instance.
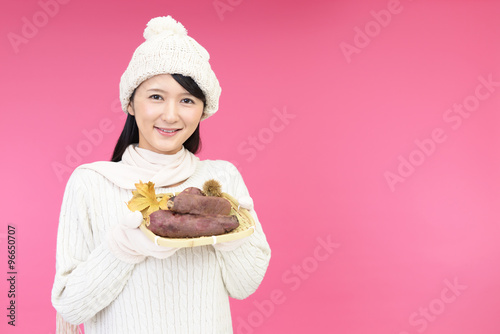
(169, 50)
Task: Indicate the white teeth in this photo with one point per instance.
(167, 131)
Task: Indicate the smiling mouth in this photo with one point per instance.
(167, 130)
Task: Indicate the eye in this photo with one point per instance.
(155, 97)
(187, 100)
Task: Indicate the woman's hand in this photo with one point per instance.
(245, 202)
(128, 243)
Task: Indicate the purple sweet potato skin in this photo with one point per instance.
(200, 204)
(192, 191)
(169, 224)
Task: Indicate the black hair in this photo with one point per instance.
(130, 132)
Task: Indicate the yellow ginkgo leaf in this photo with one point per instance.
(147, 190)
(163, 202)
(144, 199)
(152, 208)
(138, 203)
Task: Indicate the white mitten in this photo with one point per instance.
(128, 243)
(245, 202)
(230, 245)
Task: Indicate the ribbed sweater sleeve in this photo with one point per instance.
(243, 268)
(88, 276)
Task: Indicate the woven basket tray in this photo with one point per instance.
(246, 228)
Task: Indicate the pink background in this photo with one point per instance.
(353, 118)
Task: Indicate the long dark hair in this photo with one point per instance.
(130, 132)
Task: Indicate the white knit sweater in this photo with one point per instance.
(185, 293)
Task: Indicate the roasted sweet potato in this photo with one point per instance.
(199, 204)
(169, 224)
(192, 191)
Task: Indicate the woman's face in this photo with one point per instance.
(166, 114)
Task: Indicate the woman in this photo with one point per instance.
(109, 275)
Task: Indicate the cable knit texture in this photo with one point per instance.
(185, 293)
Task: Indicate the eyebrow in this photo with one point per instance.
(162, 91)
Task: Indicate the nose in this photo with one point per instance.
(170, 113)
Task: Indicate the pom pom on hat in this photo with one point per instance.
(164, 24)
(169, 50)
